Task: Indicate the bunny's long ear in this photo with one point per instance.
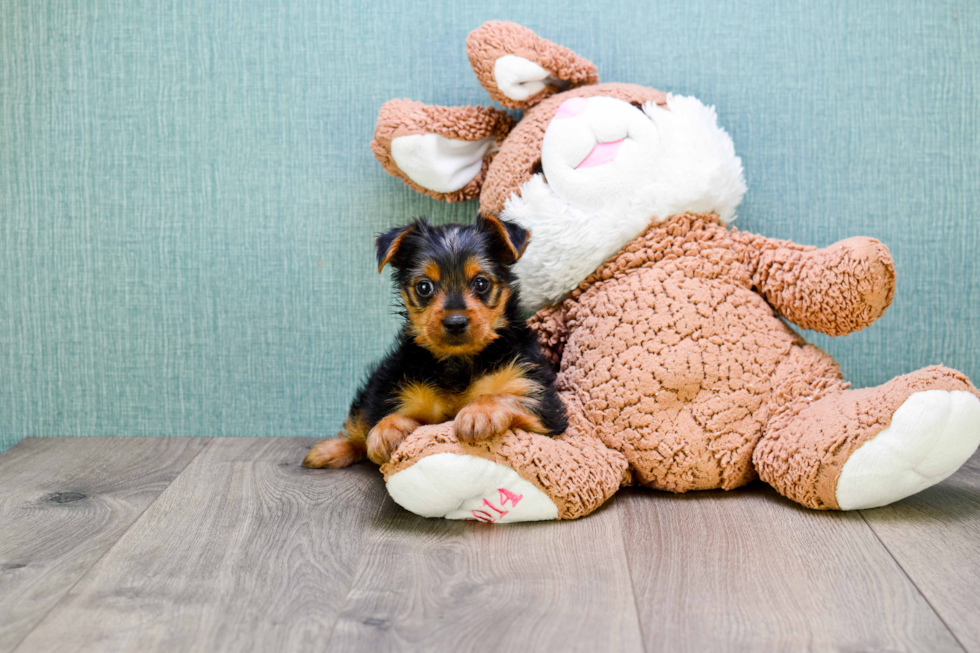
(442, 152)
(519, 68)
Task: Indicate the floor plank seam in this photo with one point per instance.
(622, 542)
(914, 584)
(353, 576)
(54, 607)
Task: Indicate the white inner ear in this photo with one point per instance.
(519, 78)
(438, 163)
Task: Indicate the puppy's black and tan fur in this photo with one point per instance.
(464, 353)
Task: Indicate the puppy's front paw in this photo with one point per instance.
(483, 418)
(334, 453)
(388, 434)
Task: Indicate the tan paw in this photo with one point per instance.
(388, 434)
(334, 453)
(484, 418)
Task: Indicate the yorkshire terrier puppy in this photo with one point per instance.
(464, 352)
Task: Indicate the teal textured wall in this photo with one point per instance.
(187, 197)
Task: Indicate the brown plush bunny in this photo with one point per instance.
(675, 367)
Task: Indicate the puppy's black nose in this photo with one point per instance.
(455, 324)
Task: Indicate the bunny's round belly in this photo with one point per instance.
(676, 372)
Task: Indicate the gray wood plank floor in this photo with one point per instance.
(63, 504)
(935, 538)
(427, 584)
(227, 544)
(242, 552)
(752, 571)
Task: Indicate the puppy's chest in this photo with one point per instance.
(429, 404)
(432, 403)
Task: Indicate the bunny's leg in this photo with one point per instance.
(830, 447)
(517, 476)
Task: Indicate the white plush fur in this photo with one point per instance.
(519, 78)
(930, 436)
(457, 486)
(438, 163)
(673, 160)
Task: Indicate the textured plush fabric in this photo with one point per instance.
(670, 357)
(837, 290)
(577, 472)
(676, 351)
(521, 154)
(495, 39)
(673, 355)
(407, 118)
(188, 199)
(816, 423)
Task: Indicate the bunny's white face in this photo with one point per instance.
(597, 147)
(609, 169)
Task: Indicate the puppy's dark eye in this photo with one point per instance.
(424, 288)
(481, 284)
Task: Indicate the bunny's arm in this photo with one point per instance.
(836, 290)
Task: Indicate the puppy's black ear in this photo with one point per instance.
(387, 244)
(511, 238)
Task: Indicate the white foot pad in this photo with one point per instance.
(930, 436)
(457, 486)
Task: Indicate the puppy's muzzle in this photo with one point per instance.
(455, 324)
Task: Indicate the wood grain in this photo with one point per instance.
(935, 537)
(437, 585)
(245, 551)
(749, 570)
(106, 545)
(63, 503)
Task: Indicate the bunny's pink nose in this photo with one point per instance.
(572, 107)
